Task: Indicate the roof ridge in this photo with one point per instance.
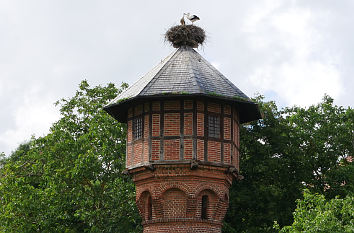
(163, 68)
(124, 94)
(223, 77)
(194, 79)
(197, 73)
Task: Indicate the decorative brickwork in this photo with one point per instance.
(181, 163)
(177, 194)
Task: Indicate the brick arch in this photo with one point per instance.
(170, 185)
(211, 204)
(140, 192)
(174, 203)
(215, 188)
(141, 203)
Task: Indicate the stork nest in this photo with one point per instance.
(185, 35)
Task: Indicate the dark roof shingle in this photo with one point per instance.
(185, 72)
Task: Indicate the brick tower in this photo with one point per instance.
(183, 122)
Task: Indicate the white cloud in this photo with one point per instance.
(300, 83)
(33, 116)
(295, 64)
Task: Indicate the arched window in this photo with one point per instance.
(226, 198)
(149, 208)
(205, 203)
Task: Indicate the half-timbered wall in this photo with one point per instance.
(178, 130)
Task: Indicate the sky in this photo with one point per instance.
(292, 52)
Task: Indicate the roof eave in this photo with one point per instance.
(249, 110)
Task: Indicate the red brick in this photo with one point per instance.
(129, 156)
(155, 150)
(176, 194)
(188, 104)
(155, 125)
(156, 106)
(188, 123)
(146, 126)
(172, 124)
(146, 152)
(227, 153)
(200, 124)
(138, 153)
(227, 109)
(214, 107)
(200, 106)
(227, 128)
(171, 149)
(214, 151)
(130, 132)
(172, 105)
(200, 150)
(188, 149)
(174, 204)
(174, 190)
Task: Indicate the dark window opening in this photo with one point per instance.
(214, 126)
(149, 207)
(205, 203)
(138, 128)
(226, 197)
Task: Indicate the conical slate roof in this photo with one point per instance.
(184, 72)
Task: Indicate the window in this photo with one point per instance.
(149, 207)
(214, 126)
(205, 203)
(138, 128)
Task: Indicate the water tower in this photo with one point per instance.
(182, 150)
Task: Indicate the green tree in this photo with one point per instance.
(285, 152)
(70, 180)
(316, 214)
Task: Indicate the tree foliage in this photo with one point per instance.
(70, 180)
(285, 152)
(316, 214)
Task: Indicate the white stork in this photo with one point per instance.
(182, 21)
(192, 18)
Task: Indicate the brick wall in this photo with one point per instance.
(188, 124)
(190, 227)
(155, 125)
(174, 204)
(178, 130)
(176, 194)
(171, 124)
(214, 151)
(155, 150)
(188, 149)
(171, 149)
(169, 197)
(200, 124)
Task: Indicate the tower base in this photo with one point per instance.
(194, 225)
(182, 198)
